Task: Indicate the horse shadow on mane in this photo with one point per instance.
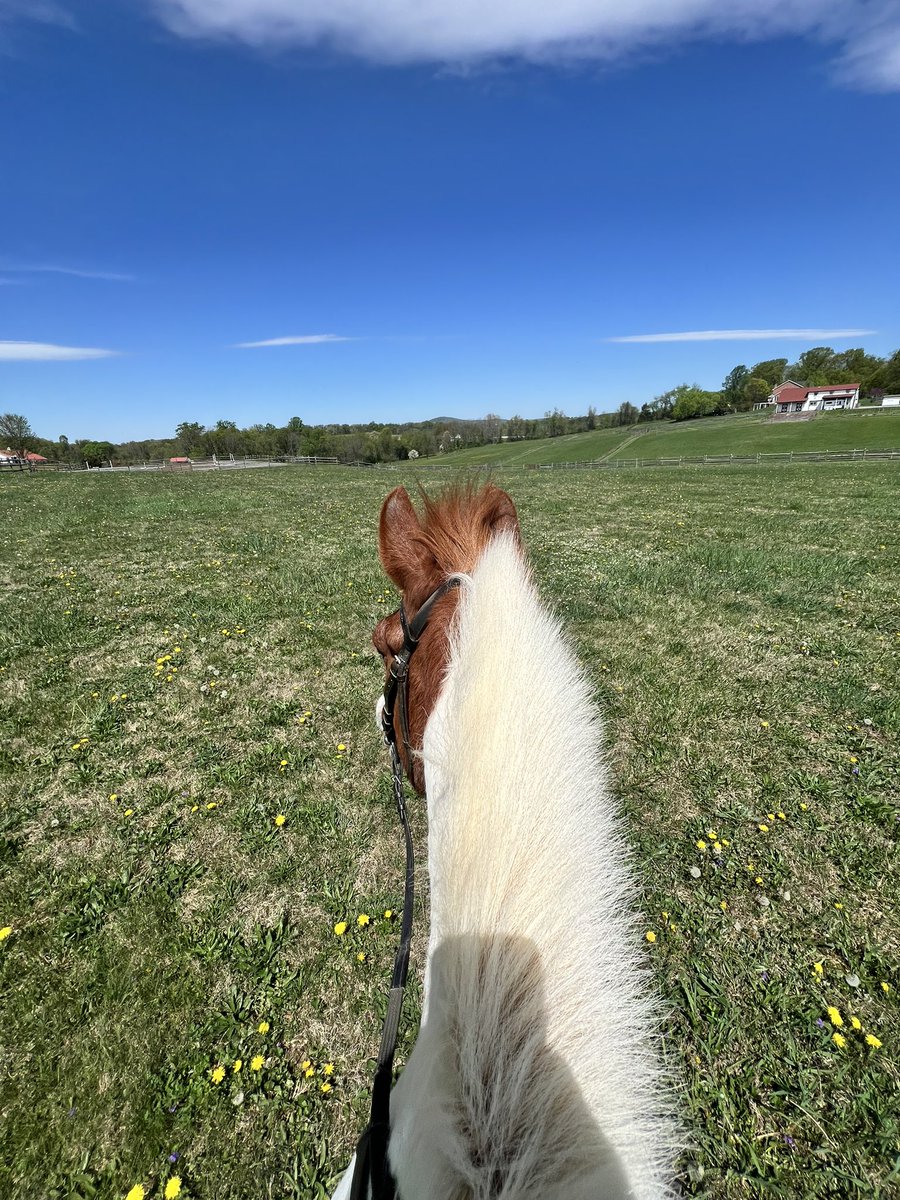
(486, 1108)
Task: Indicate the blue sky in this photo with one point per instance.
(475, 207)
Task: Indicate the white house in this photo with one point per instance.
(793, 399)
(890, 401)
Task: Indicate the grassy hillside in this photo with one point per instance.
(745, 433)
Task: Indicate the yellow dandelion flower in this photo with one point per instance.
(389, 912)
(725, 842)
(256, 1062)
(305, 1065)
(765, 724)
(341, 928)
(114, 796)
(758, 880)
(212, 804)
(700, 844)
(839, 1040)
(341, 747)
(770, 816)
(7, 930)
(819, 969)
(309, 1072)
(650, 936)
(362, 919)
(137, 1192)
(283, 763)
(856, 1022)
(781, 816)
(173, 1188)
(328, 1069)
(834, 1016)
(838, 905)
(280, 820)
(763, 828)
(129, 812)
(360, 957)
(872, 1040)
(723, 904)
(804, 807)
(717, 846)
(885, 987)
(263, 1027)
(712, 835)
(853, 758)
(237, 1064)
(217, 1074)
(326, 1086)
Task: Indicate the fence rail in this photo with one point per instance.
(711, 460)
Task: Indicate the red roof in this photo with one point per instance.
(835, 387)
(791, 395)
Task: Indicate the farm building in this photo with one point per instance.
(11, 456)
(793, 399)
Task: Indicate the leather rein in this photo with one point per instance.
(372, 1166)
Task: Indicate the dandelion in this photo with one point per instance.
(856, 1023)
(853, 759)
(803, 807)
(305, 1065)
(723, 904)
(237, 1064)
(309, 1072)
(765, 724)
(717, 847)
(650, 936)
(7, 930)
(212, 804)
(839, 1040)
(328, 1069)
(819, 969)
(279, 821)
(341, 747)
(838, 905)
(326, 1087)
(360, 957)
(114, 796)
(701, 845)
(341, 928)
(137, 1192)
(781, 816)
(834, 1016)
(873, 1041)
(712, 835)
(885, 987)
(262, 1027)
(283, 763)
(763, 828)
(173, 1188)
(362, 919)
(389, 912)
(217, 1074)
(129, 812)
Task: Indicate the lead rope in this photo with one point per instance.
(372, 1164)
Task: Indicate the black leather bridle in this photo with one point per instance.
(372, 1166)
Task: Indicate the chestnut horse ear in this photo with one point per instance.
(400, 547)
(498, 512)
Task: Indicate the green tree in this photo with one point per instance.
(733, 386)
(693, 401)
(190, 437)
(814, 367)
(754, 392)
(16, 432)
(626, 414)
(772, 370)
(96, 454)
(591, 418)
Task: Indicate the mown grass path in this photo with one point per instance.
(185, 660)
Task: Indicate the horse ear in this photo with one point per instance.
(399, 543)
(498, 511)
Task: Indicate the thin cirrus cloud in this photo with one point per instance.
(744, 335)
(49, 352)
(78, 272)
(864, 33)
(304, 339)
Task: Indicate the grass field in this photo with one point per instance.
(745, 433)
(185, 660)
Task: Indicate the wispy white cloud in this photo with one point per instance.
(866, 33)
(745, 335)
(47, 352)
(305, 339)
(79, 272)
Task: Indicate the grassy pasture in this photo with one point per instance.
(184, 659)
(744, 433)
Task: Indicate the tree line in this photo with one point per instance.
(373, 441)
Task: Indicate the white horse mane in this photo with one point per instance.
(536, 1071)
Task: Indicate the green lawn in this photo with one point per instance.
(744, 433)
(184, 659)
